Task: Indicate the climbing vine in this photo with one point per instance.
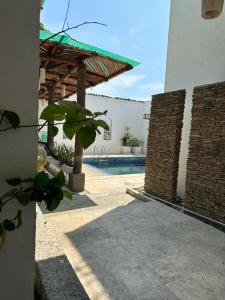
(41, 188)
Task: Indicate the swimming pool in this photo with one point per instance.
(118, 165)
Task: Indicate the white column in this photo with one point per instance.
(195, 56)
(19, 60)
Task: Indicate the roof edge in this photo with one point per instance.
(119, 98)
(66, 40)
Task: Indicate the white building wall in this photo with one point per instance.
(122, 113)
(19, 60)
(195, 57)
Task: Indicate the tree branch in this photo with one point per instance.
(70, 28)
(66, 16)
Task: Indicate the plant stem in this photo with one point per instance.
(45, 124)
(4, 203)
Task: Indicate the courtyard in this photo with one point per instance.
(123, 248)
(142, 92)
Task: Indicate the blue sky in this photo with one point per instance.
(136, 29)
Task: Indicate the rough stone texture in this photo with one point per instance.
(164, 144)
(55, 278)
(141, 251)
(205, 183)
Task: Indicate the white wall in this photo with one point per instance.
(19, 60)
(123, 113)
(195, 57)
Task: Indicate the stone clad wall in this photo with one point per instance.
(164, 144)
(205, 183)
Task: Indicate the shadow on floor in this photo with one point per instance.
(79, 201)
(55, 279)
(149, 251)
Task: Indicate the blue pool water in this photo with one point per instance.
(119, 165)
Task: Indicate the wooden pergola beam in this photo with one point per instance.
(50, 137)
(97, 75)
(56, 66)
(51, 51)
(74, 62)
(64, 77)
(60, 59)
(101, 66)
(81, 89)
(53, 77)
(77, 178)
(92, 78)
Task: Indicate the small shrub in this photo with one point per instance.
(135, 142)
(127, 138)
(64, 153)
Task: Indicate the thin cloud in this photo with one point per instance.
(114, 40)
(113, 87)
(134, 30)
(153, 87)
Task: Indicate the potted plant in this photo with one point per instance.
(212, 8)
(136, 146)
(126, 141)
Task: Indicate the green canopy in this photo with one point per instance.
(68, 41)
(60, 56)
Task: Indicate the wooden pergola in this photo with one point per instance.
(70, 67)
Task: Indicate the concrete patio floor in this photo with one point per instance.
(122, 248)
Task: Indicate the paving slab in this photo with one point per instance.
(55, 278)
(128, 249)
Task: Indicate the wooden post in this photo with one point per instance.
(81, 78)
(50, 138)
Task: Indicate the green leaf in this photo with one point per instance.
(52, 112)
(41, 180)
(53, 204)
(55, 130)
(76, 117)
(19, 218)
(24, 198)
(68, 195)
(69, 106)
(58, 194)
(87, 112)
(98, 113)
(70, 129)
(102, 124)
(37, 196)
(58, 180)
(9, 225)
(14, 181)
(54, 199)
(13, 118)
(86, 136)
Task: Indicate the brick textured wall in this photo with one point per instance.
(164, 144)
(205, 182)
